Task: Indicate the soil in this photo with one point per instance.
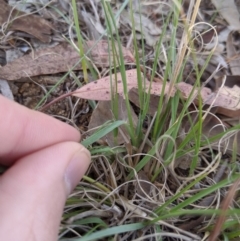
(71, 110)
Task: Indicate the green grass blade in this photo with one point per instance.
(80, 41)
(109, 232)
(91, 220)
(198, 196)
(111, 21)
(102, 132)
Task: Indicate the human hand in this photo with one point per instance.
(46, 163)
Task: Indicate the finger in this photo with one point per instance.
(24, 131)
(34, 190)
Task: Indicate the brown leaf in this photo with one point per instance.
(102, 113)
(230, 81)
(45, 61)
(101, 89)
(231, 88)
(208, 35)
(57, 59)
(227, 99)
(153, 102)
(31, 24)
(144, 185)
(232, 54)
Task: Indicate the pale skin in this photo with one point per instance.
(45, 163)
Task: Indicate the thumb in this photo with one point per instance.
(34, 191)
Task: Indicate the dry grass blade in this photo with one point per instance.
(225, 205)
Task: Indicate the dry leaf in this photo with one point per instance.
(230, 88)
(102, 113)
(144, 185)
(100, 53)
(94, 27)
(143, 24)
(232, 54)
(229, 11)
(57, 59)
(230, 81)
(230, 99)
(184, 162)
(31, 24)
(101, 89)
(148, 17)
(45, 61)
(207, 36)
(153, 102)
(227, 99)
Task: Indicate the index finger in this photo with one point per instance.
(23, 131)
